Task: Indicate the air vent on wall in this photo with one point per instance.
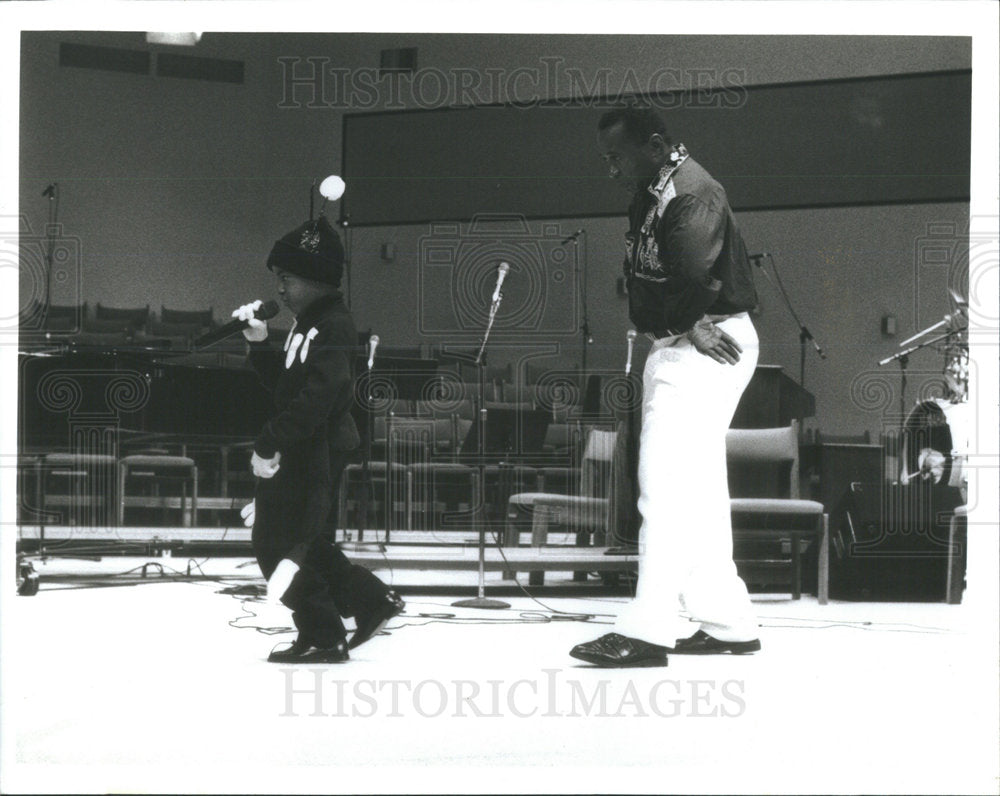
(112, 59)
(198, 68)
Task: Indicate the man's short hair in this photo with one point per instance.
(638, 122)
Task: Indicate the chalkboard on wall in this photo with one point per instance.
(895, 139)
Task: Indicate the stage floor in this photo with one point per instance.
(114, 682)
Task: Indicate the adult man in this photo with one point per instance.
(301, 452)
(690, 287)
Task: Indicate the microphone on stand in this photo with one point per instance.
(502, 271)
(266, 311)
(373, 342)
(630, 337)
(955, 317)
(571, 238)
(50, 190)
(756, 258)
(820, 351)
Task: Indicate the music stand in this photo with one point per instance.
(507, 432)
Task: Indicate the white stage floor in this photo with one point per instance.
(162, 686)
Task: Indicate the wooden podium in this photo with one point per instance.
(772, 399)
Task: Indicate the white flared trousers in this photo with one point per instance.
(687, 578)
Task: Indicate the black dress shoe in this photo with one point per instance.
(302, 651)
(371, 620)
(614, 650)
(703, 644)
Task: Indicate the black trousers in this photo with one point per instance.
(292, 515)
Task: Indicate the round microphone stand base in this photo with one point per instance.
(480, 602)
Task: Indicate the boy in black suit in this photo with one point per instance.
(301, 452)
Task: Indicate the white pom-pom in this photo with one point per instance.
(332, 187)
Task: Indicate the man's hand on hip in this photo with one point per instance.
(710, 340)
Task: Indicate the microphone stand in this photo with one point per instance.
(480, 600)
(581, 275)
(50, 231)
(366, 455)
(804, 333)
(903, 357)
(345, 223)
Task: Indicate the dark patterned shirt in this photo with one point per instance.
(685, 257)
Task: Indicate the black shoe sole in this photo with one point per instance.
(612, 663)
(313, 656)
(725, 648)
(374, 625)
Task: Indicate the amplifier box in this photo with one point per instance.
(891, 542)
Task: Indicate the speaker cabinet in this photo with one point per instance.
(891, 542)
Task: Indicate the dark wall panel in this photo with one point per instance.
(840, 142)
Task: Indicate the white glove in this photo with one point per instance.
(931, 463)
(249, 513)
(265, 468)
(257, 330)
(281, 579)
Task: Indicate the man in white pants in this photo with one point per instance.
(690, 289)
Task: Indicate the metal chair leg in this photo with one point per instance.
(823, 576)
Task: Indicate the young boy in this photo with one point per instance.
(301, 452)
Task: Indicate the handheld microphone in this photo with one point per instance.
(502, 270)
(267, 311)
(630, 337)
(571, 238)
(373, 342)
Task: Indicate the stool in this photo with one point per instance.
(158, 470)
(90, 486)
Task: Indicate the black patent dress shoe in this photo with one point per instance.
(304, 652)
(373, 619)
(614, 650)
(703, 644)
